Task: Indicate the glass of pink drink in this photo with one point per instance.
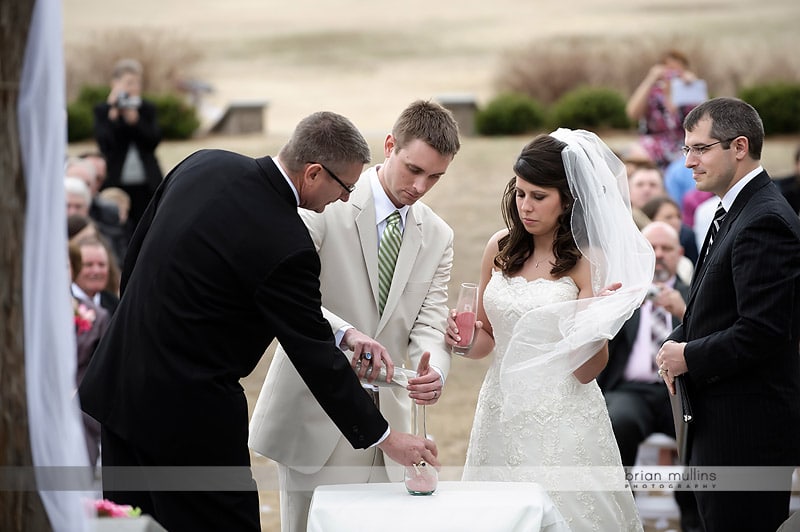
(466, 307)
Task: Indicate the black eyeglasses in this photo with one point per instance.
(700, 150)
(348, 188)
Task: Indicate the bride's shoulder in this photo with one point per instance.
(581, 274)
(495, 238)
(493, 245)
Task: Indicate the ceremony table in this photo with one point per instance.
(455, 506)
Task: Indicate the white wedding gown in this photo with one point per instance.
(557, 440)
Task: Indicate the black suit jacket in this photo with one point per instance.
(114, 138)
(790, 188)
(742, 328)
(109, 301)
(620, 347)
(220, 265)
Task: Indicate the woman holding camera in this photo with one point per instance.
(651, 104)
(127, 133)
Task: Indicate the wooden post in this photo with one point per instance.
(20, 510)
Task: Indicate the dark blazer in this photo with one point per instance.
(109, 301)
(689, 243)
(114, 138)
(742, 328)
(106, 217)
(790, 188)
(220, 265)
(620, 347)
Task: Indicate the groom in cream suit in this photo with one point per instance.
(288, 425)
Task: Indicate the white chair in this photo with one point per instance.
(657, 508)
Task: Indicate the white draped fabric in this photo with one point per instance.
(606, 235)
(50, 359)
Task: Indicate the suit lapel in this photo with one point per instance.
(275, 178)
(632, 330)
(362, 201)
(741, 201)
(409, 250)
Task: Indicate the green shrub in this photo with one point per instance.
(80, 121)
(93, 94)
(177, 119)
(590, 108)
(509, 114)
(778, 104)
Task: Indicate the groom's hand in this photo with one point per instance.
(426, 387)
(407, 449)
(671, 362)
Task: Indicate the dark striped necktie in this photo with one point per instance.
(719, 215)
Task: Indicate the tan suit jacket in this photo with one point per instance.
(288, 425)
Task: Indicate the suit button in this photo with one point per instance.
(355, 429)
(361, 439)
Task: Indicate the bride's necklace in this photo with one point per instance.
(536, 263)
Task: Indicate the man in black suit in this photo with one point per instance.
(219, 266)
(737, 347)
(638, 403)
(126, 130)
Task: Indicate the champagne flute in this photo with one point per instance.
(466, 309)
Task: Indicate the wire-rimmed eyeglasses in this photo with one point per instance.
(348, 188)
(701, 149)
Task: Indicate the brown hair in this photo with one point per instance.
(75, 261)
(429, 122)
(114, 273)
(677, 55)
(539, 163)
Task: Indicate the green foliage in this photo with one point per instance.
(177, 119)
(778, 104)
(93, 94)
(590, 108)
(509, 114)
(80, 121)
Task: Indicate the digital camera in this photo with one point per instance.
(128, 101)
(652, 292)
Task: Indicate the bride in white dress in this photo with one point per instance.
(544, 313)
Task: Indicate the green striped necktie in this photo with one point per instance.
(387, 256)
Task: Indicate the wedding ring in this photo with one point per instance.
(660, 372)
(367, 355)
(435, 394)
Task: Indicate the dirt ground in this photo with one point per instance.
(368, 60)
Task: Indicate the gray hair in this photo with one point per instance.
(126, 66)
(76, 186)
(327, 138)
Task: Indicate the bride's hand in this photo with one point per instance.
(610, 289)
(451, 334)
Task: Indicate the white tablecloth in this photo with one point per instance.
(455, 506)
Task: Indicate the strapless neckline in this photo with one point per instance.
(522, 280)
